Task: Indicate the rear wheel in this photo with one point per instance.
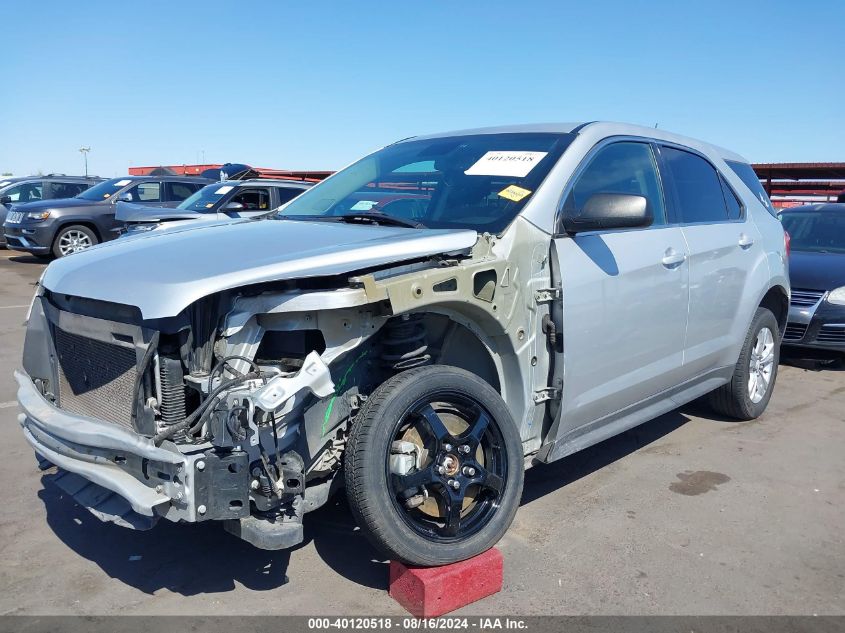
(434, 466)
(72, 239)
(746, 396)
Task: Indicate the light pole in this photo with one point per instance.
(85, 151)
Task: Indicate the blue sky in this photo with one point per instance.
(315, 85)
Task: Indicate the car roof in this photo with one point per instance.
(295, 184)
(163, 178)
(602, 128)
(825, 207)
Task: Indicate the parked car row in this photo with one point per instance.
(15, 191)
(55, 217)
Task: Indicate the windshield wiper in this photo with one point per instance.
(379, 218)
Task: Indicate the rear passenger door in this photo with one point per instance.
(625, 297)
(723, 245)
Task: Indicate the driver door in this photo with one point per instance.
(625, 297)
(248, 202)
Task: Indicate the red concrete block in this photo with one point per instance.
(432, 591)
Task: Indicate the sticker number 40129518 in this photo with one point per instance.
(506, 163)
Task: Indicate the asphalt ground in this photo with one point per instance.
(687, 514)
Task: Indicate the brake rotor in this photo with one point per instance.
(456, 425)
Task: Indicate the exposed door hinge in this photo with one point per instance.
(545, 394)
(544, 295)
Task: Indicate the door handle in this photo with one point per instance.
(672, 258)
(745, 241)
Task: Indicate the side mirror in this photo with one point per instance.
(609, 211)
(232, 206)
(5, 199)
(125, 197)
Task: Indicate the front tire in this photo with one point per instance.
(72, 239)
(434, 466)
(748, 393)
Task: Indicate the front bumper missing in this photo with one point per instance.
(110, 456)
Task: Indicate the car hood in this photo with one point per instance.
(163, 273)
(128, 212)
(59, 203)
(816, 271)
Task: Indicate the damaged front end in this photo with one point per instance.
(236, 410)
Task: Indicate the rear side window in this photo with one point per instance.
(286, 195)
(697, 185)
(66, 189)
(624, 167)
(178, 191)
(734, 206)
(749, 178)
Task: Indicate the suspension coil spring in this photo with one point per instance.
(404, 343)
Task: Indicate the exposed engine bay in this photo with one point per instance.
(251, 391)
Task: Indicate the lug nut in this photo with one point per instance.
(441, 470)
(255, 485)
(200, 465)
(463, 448)
(159, 488)
(202, 509)
(469, 471)
(454, 483)
(447, 447)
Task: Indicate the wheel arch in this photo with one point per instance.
(776, 300)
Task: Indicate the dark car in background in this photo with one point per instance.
(817, 271)
(227, 199)
(62, 227)
(35, 188)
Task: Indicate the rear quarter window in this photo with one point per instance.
(746, 174)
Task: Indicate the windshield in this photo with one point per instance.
(815, 232)
(105, 189)
(478, 181)
(205, 199)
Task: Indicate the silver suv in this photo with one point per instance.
(419, 328)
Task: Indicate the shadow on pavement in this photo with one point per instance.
(546, 478)
(191, 559)
(202, 558)
(28, 259)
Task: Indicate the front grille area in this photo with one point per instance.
(794, 331)
(805, 298)
(96, 379)
(831, 334)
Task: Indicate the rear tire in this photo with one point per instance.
(748, 393)
(72, 239)
(467, 474)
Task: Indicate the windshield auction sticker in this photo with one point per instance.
(501, 163)
(514, 193)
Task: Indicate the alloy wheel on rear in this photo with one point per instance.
(760, 365)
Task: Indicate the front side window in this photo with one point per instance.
(479, 181)
(253, 199)
(144, 192)
(697, 186)
(26, 192)
(625, 167)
